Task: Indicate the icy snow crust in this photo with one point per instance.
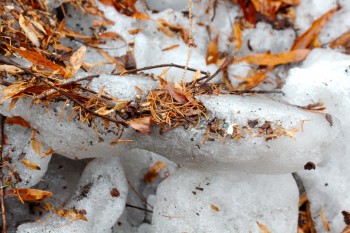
(222, 186)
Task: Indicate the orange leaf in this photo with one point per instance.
(36, 145)
(154, 171)
(30, 165)
(263, 228)
(324, 221)
(74, 214)
(310, 35)
(28, 32)
(237, 30)
(48, 152)
(13, 103)
(214, 207)
(140, 16)
(252, 80)
(212, 51)
(37, 59)
(176, 94)
(341, 41)
(143, 125)
(29, 194)
(275, 59)
(75, 62)
(17, 120)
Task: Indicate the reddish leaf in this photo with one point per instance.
(38, 59)
(310, 35)
(176, 94)
(17, 120)
(142, 125)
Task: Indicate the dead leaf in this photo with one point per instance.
(12, 103)
(48, 152)
(341, 41)
(104, 110)
(324, 221)
(275, 59)
(303, 41)
(263, 228)
(214, 207)
(74, 214)
(75, 62)
(253, 80)
(36, 145)
(135, 31)
(249, 11)
(237, 35)
(154, 171)
(38, 59)
(26, 194)
(212, 51)
(30, 165)
(142, 125)
(18, 121)
(176, 94)
(140, 16)
(171, 47)
(10, 69)
(346, 229)
(29, 33)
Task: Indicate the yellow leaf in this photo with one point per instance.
(30, 165)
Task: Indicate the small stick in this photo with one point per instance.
(229, 59)
(2, 199)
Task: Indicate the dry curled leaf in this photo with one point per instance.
(154, 171)
(18, 121)
(275, 59)
(26, 194)
(30, 165)
(142, 125)
(175, 93)
(28, 32)
(75, 62)
(238, 39)
(310, 35)
(36, 145)
(214, 207)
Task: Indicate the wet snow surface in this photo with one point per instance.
(220, 187)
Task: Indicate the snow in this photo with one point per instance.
(225, 184)
(187, 202)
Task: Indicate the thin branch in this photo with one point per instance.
(139, 208)
(229, 59)
(2, 199)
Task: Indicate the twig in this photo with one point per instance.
(2, 199)
(139, 208)
(190, 37)
(229, 59)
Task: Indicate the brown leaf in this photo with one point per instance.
(104, 110)
(142, 125)
(310, 35)
(276, 59)
(171, 47)
(140, 16)
(214, 207)
(341, 41)
(74, 214)
(75, 62)
(12, 103)
(212, 51)
(48, 152)
(249, 11)
(18, 121)
(111, 35)
(263, 228)
(346, 229)
(154, 171)
(36, 145)
(30, 165)
(37, 59)
(135, 31)
(26, 194)
(267, 8)
(253, 80)
(176, 94)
